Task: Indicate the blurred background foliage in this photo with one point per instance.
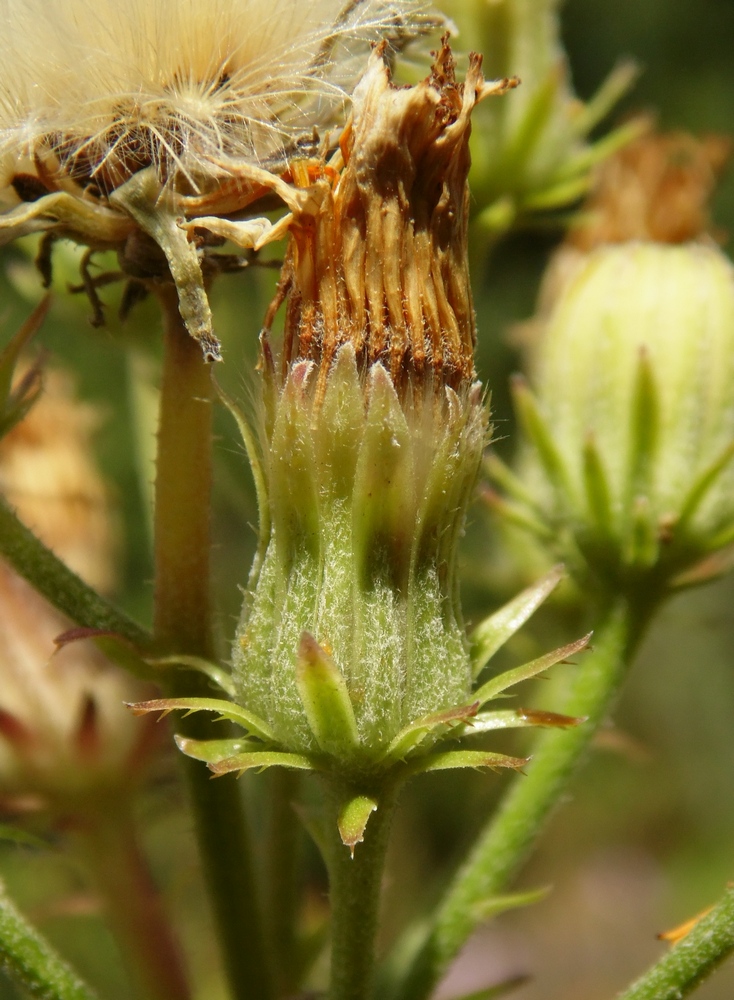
(645, 840)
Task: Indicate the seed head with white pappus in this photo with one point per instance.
(117, 118)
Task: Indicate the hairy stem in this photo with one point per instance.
(31, 961)
(512, 831)
(183, 625)
(61, 587)
(354, 889)
(133, 907)
(690, 961)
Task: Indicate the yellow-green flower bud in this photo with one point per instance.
(632, 430)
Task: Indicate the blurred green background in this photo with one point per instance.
(646, 838)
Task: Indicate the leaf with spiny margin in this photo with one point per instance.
(524, 672)
(414, 734)
(211, 670)
(352, 820)
(226, 709)
(325, 698)
(214, 751)
(519, 718)
(261, 759)
(494, 631)
(450, 759)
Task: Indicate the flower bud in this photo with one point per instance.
(532, 152)
(632, 431)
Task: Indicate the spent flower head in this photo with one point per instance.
(117, 120)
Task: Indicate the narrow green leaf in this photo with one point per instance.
(213, 671)
(515, 514)
(226, 710)
(214, 751)
(557, 195)
(533, 122)
(644, 428)
(494, 631)
(596, 485)
(508, 481)
(604, 147)
(612, 89)
(353, 818)
(414, 734)
(524, 672)
(702, 485)
(254, 456)
(21, 837)
(31, 961)
(493, 906)
(325, 698)
(502, 989)
(642, 541)
(462, 758)
(260, 760)
(518, 718)
(540, 435)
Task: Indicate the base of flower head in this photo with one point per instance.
(360, 768)
(365, 499)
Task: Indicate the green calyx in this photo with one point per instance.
(360, 773)
(366, 498)
(628, 471)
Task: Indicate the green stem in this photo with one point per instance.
(31, 961)
(690, 961)
(510, 834)
(61, 587)
(283, 842)
(133, 906)
(183, 625)
(354, 890)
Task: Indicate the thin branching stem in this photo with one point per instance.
(354, 890)
(183, 625)
(110, 848)
(31, 961)
(691, 960)
(512, 831)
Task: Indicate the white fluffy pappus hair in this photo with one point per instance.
(96, 90)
